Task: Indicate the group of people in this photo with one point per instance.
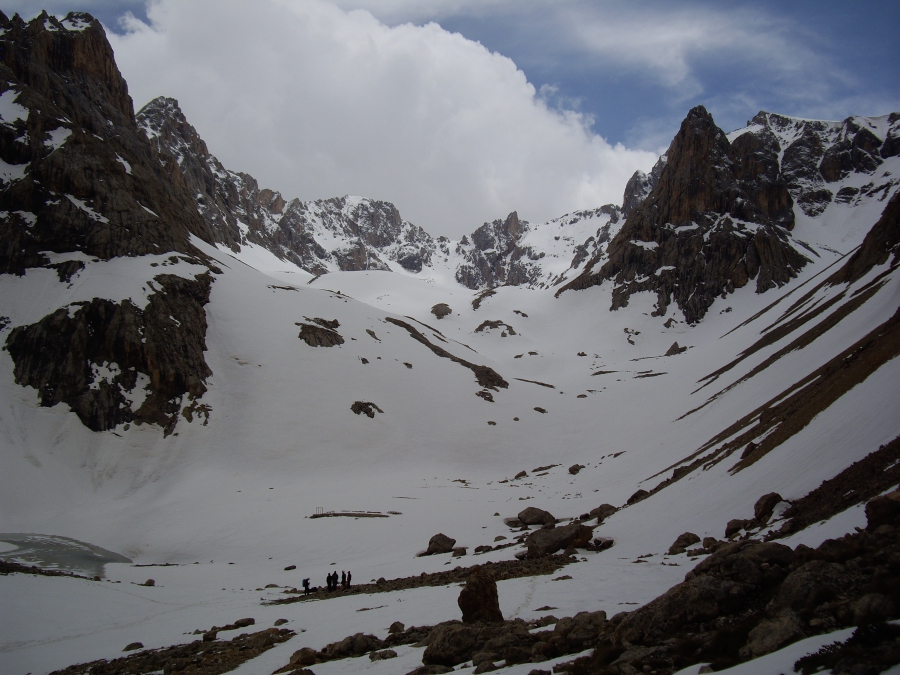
(332, 580)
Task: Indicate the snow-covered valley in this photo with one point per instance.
(211, 492)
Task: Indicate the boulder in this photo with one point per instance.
(441, 310)
(522, 474)
(772, 634)
(883, 510)
(603, 512)
(366, 408)
(684, 540)
(459, 551)
(434, 669)
(736, 525)
(575, 468)
(637, 496)
(872, 608)
(303, 657)
(603, 543)
(396, 627)
(450, 645)
(440, 543)
(762, 511)
(382, 655)
(809, 586)
(478, 599)
(134, 645)
(547, 541)
(535, 516)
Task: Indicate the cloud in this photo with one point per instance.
(316, 101)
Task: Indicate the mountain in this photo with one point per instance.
(355, 233)
(192, 424)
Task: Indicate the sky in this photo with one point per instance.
(461, 111)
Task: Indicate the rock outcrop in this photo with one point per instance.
(478, 600)
(718, 217)
(84, 186)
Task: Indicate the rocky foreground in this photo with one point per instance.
(747, 599)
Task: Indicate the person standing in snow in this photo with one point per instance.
(306, 586)
(343, 579)
(328, 581)
(349, 576)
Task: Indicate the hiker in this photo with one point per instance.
(349, 576)
(306, 586)
(343, 579)
(328, 581)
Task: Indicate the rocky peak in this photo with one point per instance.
(640, 185)
(79, 185)
(75, 49)
(718, 216)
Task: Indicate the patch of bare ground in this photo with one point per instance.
(200, 657)
(504, 569)
(487, 377)
(497, 323)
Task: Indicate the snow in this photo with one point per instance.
(87, 209)
(281, 441)
(57, 137)
(646, 245)
(127, 168)
(10, 111)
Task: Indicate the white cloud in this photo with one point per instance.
(316, 101)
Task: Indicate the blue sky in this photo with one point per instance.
(460, 111)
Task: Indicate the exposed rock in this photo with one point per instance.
(883, 510)
(575, 468)
(603, 512)
(132, 646)
(546, 541)
(459, 551)
(280, 622)
(486, 377)
(521, 474)
(535, 516)
(149, 582)
(197, 657)
(396, 627)
(689, 239)
(382, 655)
(319, 336)
(93, 357)
(441, 310)
(495, 324)
(440, 543)
(366, 408)
(637, 496)
(478, 600)
(771, 634)
(486, 395)
(764, 506)
(736, 525)
(681, 544)
(675, 349)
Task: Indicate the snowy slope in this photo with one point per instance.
(226, 493)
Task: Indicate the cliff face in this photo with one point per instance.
(716, 218)
(79, 185)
